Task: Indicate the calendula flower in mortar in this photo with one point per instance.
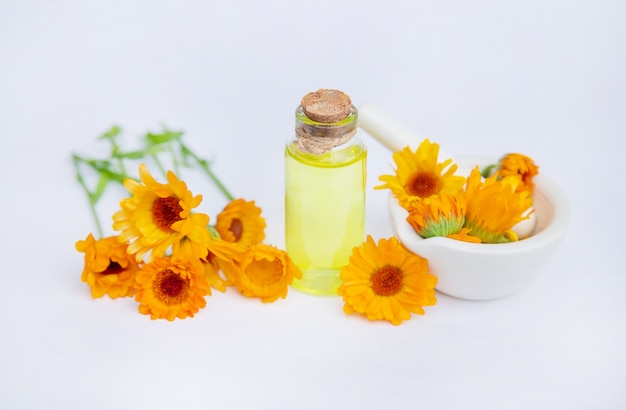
(385, 281)
(443, 215)
(419, 175)
(108, 269)
(167, 288)
(518, 165)
(494, 206)
(264, 271)
(158, 215)
(240, 221)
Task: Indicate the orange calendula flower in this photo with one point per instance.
(157, 216)
(518, 165)
(200, 243)
(264, 272)
(108, 269)
(419, 175)
(241, 222)
(167, 288)
(385, 281)
(494, 207)
(443, 215)
(213, 273)
(219, 261)
(464, 235)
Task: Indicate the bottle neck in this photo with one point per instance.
(317, 137)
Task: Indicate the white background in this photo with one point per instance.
(545, 78)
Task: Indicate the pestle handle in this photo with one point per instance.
(386, 129)
(393, 134)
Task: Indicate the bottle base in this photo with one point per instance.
(318, 282)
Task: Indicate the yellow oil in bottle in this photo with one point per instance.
(325, 213)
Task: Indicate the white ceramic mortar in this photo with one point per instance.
(469, 270)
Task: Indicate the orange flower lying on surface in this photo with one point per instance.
(108, 268)
(241, 222)
(218, 268)
(518, 165)
(204, 247)
(166, 254)
(157, 215)
(212, 273)
(419, 175)
(385, 281)
(168, 289)
(264, 271)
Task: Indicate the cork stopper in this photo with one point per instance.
(326, 106)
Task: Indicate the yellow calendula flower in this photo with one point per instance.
(167, 288)
(494, 207)
(200, 243)
(264, 271)
(443, 215)
(157, 215)
(219, 261)
(518, 165)
(240, 221)
(213, 273)
(464, 235)
(419, 175)
(385, 281)
(108, 268)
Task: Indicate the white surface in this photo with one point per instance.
(545, 78)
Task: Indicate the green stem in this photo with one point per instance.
(112, 135)
(205, 166)
(120, 162)
(92, 203)
(157, 161)
(175, 161)
(113, 169)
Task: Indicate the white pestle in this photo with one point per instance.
(386, 129)
(395, 137)
(391, 133)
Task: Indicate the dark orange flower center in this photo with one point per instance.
(423, 184)
(209, 257)
(166, 211)
(387, 281)
(113, 268)
(236, 227)
(170, 288)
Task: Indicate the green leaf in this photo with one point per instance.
(99, 164)
(166, 136)
(102, 183)
(113, 175)
(154, 149)
(130, 155)
(111, 134)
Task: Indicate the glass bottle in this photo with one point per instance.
(325, 178)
